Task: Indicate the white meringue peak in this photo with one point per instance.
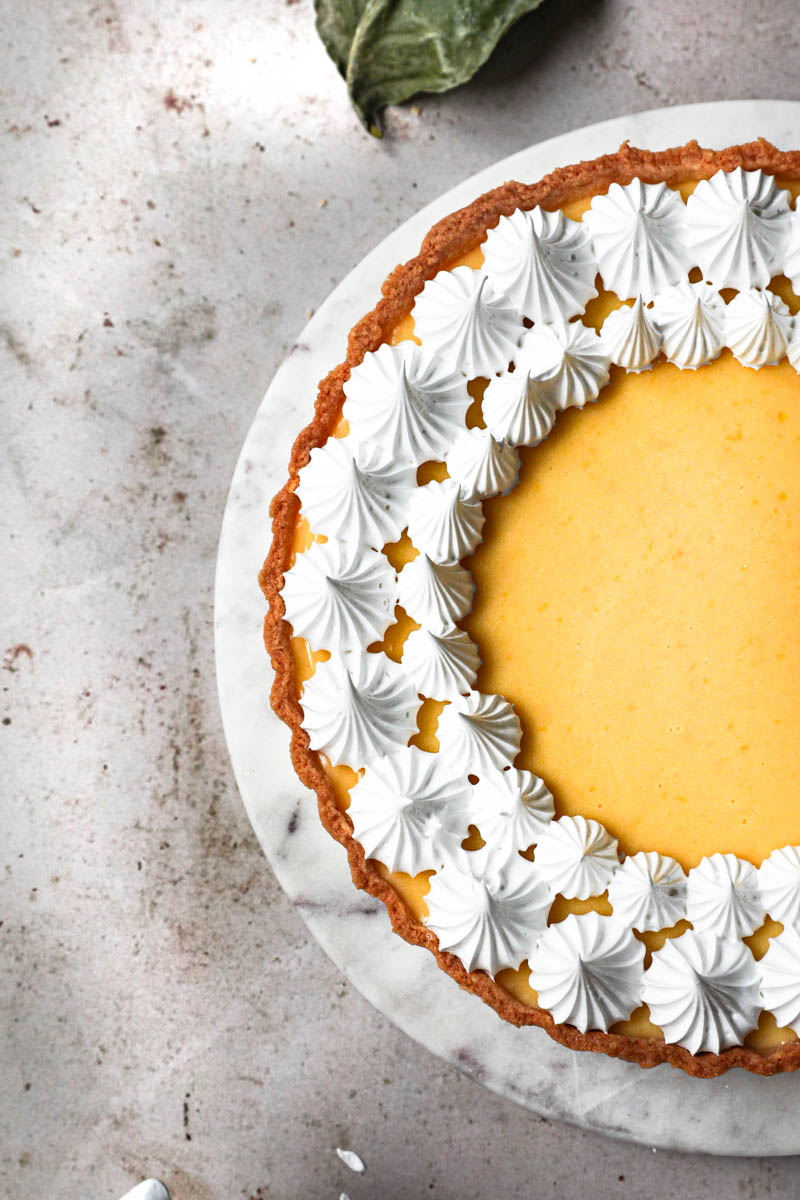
(339, 596)
(356, 711)
(351, 491)
(648, 891)
(691, 320)
(405, 403)
(434, 594)
(758, 326)
(543, 262)
(639, 238)
(465, 324)
(486, 912)
(779, 884)
(780, 979)
(441, 665)
(576, 857)
(477, 732)
(442, 523)
(791, 261)
(703, 991)
(511, 808)
(630, 335)
(569, 360)
(723, 897)
(517, 407)
(793, 349)
(738, 228)
(409, 811)
(482, 465)
(587, 971)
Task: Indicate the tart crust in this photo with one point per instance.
(446, 242)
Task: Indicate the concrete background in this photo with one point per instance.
(180, 184)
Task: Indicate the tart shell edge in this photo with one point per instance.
(445, 242)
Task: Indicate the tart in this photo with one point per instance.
(532, 592)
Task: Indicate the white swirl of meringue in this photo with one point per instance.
(464, 324)
(543, 262)
(517, 407)
(779, 884)
(737, 225)
(409, 811)
(758, 326)
(780, 979)
(482, 465)
(791, 261)
(649, 891)
(351, 491)
(639, 238)
(356, 711)
(793, 349)
(587, 971)
(434, 594)
(691, 320)
(723, 898)
(441, 665)
(511, 808)
(703, 991)
(405, 403)
(577, 857)
(339, 596)
(442, 523)
(570, 362)
(487, 911)
(632, 338)
(477, 732)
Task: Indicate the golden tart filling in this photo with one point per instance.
(675, 561)
(540, 591)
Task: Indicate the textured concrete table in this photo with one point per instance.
(181, 184)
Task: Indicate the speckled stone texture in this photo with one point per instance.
(181, 183)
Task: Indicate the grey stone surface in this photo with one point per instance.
(164, 1010)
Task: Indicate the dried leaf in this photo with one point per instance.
(388, 50)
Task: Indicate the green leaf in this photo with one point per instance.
(388, 50)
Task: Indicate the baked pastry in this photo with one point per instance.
(570, 767)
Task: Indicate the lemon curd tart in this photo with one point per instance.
(532, 594)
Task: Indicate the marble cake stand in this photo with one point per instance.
(737, 1114)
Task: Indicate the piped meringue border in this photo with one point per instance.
(443, 245)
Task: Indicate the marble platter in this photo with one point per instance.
(737, 1114)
